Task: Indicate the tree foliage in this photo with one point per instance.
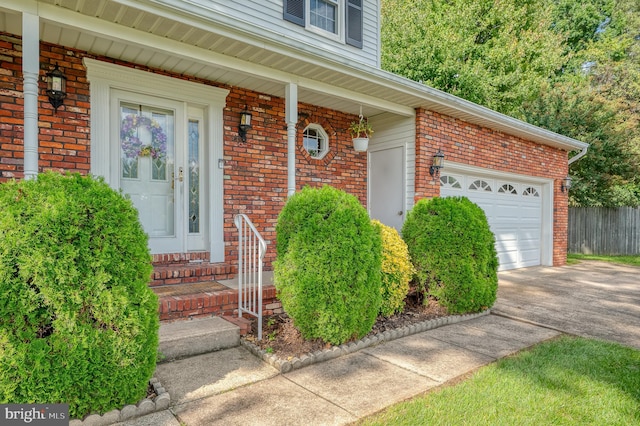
(492, 53)
(596, 99)
(571, 66)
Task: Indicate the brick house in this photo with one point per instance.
(155, 90)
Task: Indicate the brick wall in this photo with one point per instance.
(63, 135)
(473, 145)
(256, 170)
(255, 175)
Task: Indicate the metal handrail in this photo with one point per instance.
(251, 251)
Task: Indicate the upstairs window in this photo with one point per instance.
(327, 16)
(323, 14)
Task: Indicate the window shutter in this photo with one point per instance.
(294, 11)
(354, 23)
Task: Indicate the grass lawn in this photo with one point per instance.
(627, 260)
(567, 381)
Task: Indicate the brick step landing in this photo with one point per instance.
(190, 272)
(206, 299)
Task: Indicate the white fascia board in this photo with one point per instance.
(214, 20)
(19, 6)
(431, 95)
(123, 34)
(519, 126)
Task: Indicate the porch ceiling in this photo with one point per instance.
(202, 43)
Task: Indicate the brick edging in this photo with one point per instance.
(129, 412)
(293, 363)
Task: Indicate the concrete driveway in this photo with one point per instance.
(590, 299)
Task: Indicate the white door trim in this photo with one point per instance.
(105, 77)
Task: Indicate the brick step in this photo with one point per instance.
(183, 339)
(244, 324)
(185, 301)
(173, 274)
(181, 258)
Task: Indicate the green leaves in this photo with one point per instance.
(77, 319)
(397, 270)
(571, 66)
(327, 269)
(492, 53)
(452, 250)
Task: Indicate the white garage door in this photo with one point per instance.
(514, 212)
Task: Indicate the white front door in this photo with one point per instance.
(386, 186)
(160, 151)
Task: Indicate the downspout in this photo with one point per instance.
(291, 115)
(30, 72)
(581, 154)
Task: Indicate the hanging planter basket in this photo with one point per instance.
(360, 144)
(360, 131)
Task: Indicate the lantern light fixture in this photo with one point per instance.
(438, 163)
(245, 123)
(56, 87)
(565, 184)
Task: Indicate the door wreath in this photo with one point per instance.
(133, 147)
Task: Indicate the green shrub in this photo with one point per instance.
(78, 323)
(327, 267)
(453, 251)
(397, 270)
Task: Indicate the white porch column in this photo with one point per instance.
(30, 72)
(291, 114)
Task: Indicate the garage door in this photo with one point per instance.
(514, 212)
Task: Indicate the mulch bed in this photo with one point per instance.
(280, 337)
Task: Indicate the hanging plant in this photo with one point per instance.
(361, 128)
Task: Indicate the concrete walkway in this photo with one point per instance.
(232, 387)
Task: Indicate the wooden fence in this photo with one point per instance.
(607, 231)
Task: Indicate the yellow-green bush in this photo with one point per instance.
(397, 270)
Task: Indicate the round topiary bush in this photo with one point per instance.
(397, 270)
(78, 322)
(327, 267)
(453, 252)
